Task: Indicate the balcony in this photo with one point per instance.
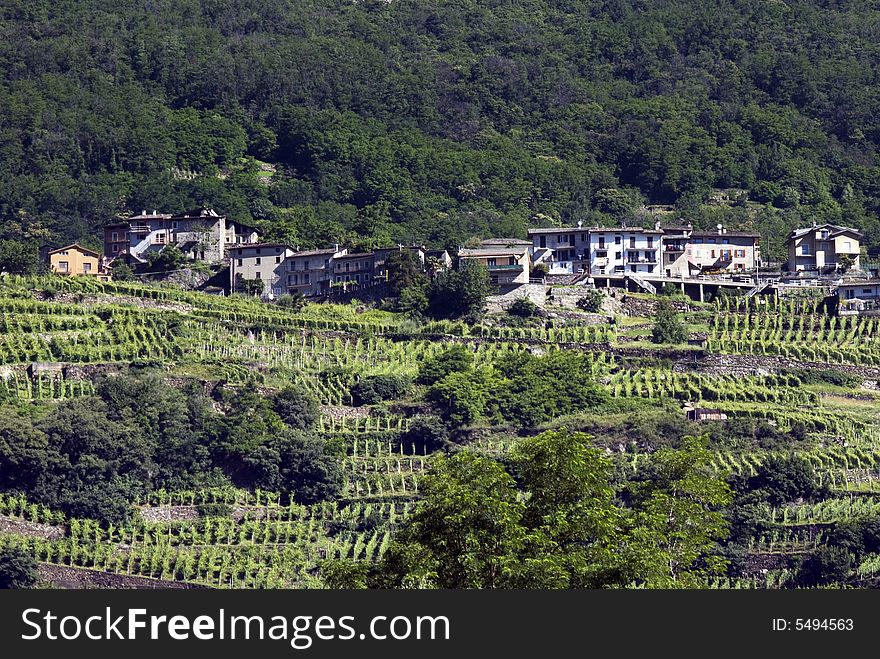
(139, 228)
(675, 247)
(505, 268)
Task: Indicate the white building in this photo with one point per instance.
(624, 251)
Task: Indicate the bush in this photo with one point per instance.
(295, 302)
(669, 328)
(18, 569)
(457, 359)
(425, 435)
(523, 308)
(296, 407)
(376, 388)
(592, 301)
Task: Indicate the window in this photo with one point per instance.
(305, 265)
(115, 248)
(618, 239)
(866, 291)
(62, 266)
(257, 275)
(160, 238)
(633, 268)
(277, 259)
(543, 241)
(601, 255)
(740, 254)
(824, 234)
(571, 239)
(174, 225)
(277, 250)
(306, 278)
(602, 242)
(650, 241)
(114, 236)
(725, 254)
(632, 241)
(512, 261)
(618, 255)
(805, 249)
(87, 267)
(491, 263)
(583, 237)
(725, 241)
(259, 251)
(295, 279)
(847, 246)
(239, 262)
(257, 260)
(698, 241)
(713, 254)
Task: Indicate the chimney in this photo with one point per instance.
(657, 225)
(690, 226)
(335, 247)
(144, 211)
(720, 229)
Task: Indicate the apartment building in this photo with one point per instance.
(624, 251)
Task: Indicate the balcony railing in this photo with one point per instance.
(508, 268)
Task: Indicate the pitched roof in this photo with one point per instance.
(835, 230)
(504, 242)
(75, 246)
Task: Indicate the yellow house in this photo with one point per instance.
(76, 260)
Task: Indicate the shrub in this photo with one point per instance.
(18, 569)
(592, 301)
(668, 328)
(457, 359)
(295, 302)
(376, 388)
(523, 308)
(296, 407)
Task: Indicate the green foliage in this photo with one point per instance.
(122, 272)
(553, 522)
(250, 287)
(668, 327)
(19, 258)
(592, 301)
(297, 408)
(295, 302)
(18, 569)
(457, 359)
(459, 293)
(167, 260)
(404, 272)
(373, 389)
(523, 308)
(785, 479)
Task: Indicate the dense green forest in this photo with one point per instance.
(437, 120)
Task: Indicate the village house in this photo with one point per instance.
(562, 250)
(858, 297)
(264, 262)
(200, 234)
(687, 252)
(824, 249)
(354, 270)
(508, 266)
(77, 260)
(310, 272)
(626, 250)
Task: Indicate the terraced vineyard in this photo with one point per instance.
(58, 337)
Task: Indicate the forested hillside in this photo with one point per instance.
(436, 120)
